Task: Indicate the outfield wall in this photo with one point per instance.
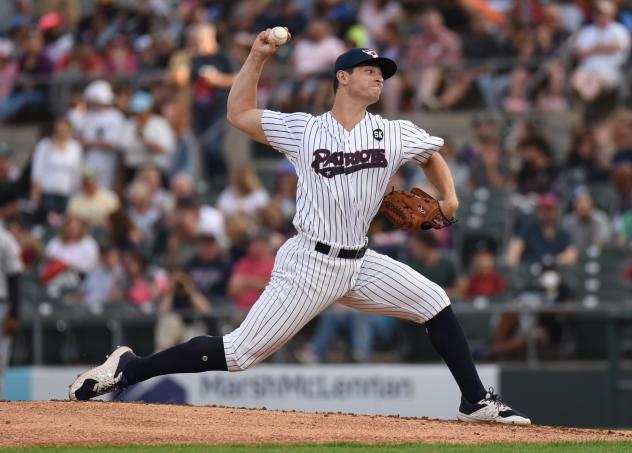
(406, 390)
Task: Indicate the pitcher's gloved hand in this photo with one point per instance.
(414, 210)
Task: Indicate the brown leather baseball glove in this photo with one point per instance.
(414, 210)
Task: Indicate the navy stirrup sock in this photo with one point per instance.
(448, 339)
(199, 354)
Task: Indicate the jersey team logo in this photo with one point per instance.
(330, 164)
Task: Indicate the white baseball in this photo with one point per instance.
(279, 35)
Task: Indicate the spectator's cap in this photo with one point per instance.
(99, 92)
(548, 200)
(5, 150)
(89, 174)
(6, 48)
(140, 102)
(606, 7)
(357, 56)
(50, 20)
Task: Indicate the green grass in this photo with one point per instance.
(574, 447)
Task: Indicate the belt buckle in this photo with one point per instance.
(360, 252)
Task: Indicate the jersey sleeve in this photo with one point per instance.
(284, 131)
(417, 144)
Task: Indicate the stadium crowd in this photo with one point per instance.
(131, 199)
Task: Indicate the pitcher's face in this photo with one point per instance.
(366, 82)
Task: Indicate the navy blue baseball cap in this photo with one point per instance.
(357, 56)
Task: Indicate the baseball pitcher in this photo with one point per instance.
(344, 160)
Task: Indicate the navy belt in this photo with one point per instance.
(350, 254)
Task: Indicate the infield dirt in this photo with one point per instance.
(101, 423)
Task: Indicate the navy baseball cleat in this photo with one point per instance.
(103, 379)
(490, 409)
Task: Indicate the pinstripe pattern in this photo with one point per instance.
(342, 176)
(338, 210)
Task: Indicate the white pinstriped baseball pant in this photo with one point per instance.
(305, 282)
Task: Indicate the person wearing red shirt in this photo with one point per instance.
(251, 274)
(484, 280)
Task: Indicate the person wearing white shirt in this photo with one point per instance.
(101, 129)
(147, 139)
(602, 48)
(56, 170)
(244, 195)
(74, 247)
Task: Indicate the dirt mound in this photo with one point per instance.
(95, 423)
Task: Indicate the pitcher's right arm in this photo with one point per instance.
(242, 99)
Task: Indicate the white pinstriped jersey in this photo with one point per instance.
(342, 175)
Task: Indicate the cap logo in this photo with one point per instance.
(370, 52)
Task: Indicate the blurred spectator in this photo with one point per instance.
(480, 45)
(537, 171)
(585, 163)
(74, 248)
(543, 238)
(587, 225)
(427, 259)
(211, 76)
(59, 42)
(8, 71)
(182, 186)
(102, 284)
(186, 151)
(459, 169)
(8, 174)
(284, 196)
(244, 194)
(284, 13)
(251, 274)
(484, 280)
(429, 57)
(208, 270)
(376, 14)
(391, 45)
(146, 138)
(190, 220)
(121, 230)
(119, 58)
(161, 198)
(621, 135)
(100, 132)
(143, 286)
(28, 99)
(57, 163)
(549, 38)
(515, 331)
(602, 48)
(83, 59)
(180, 312)
(31, 247)
(490, 167)
(92, 203)
(313, 57)
(145, 216)
(361, 329)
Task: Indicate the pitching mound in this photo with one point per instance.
(98, 423)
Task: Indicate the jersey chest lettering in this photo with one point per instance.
(330, 164)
